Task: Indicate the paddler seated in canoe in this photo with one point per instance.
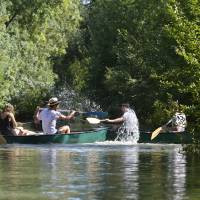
(50, 115)
(8, 124)
(176, 124)
(129, 121)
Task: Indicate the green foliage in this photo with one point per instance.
(73, 68)
(137, 52)
(126, 43)
(79, 72)
(184, 29)
(142, 52)
(146, 53)
(32, 32)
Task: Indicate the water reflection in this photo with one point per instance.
(92, 174)
(98, 171)
(177, 175)
(131, 174)
(15, 173)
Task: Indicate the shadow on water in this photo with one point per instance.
(97, 171)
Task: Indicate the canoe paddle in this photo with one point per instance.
(93, 120)
(159, 129)
(99, 114)
(156, 132)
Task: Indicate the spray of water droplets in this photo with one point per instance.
(74, 101)
(129, 131)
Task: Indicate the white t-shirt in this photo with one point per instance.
(130, 121)
(49, 118)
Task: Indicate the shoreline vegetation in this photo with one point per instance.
(142, 52)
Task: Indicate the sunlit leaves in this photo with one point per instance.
(32, 32)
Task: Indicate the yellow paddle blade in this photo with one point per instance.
(156, 132)
(92, 120)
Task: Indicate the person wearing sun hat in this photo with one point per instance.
(50, 115)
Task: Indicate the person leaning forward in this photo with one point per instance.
(128, 120)
(50, 115)
(176, 124)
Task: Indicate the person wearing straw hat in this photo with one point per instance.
(50, 115)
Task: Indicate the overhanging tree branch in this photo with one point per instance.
(10, 20)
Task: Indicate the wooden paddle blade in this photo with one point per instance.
(92, 120)
(156, 132)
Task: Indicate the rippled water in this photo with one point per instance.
(97, 171)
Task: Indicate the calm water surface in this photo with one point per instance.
(97, 171)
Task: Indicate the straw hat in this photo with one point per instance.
(53, 101)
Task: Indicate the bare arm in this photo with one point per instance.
(12, 117)
(67, 117)
(117, 120)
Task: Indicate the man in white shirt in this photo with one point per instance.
(49, 117)
(129, 120)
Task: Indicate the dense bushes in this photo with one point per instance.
(31, 34)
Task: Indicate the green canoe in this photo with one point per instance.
(168, 138)
(90, 136)
(95, 135)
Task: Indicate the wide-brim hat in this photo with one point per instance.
(53, 101)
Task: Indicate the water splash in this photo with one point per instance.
(122, 143)
(124, 136)
(129, 131)
(72, 100)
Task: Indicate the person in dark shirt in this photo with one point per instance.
(8, 124)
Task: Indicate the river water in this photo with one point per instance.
(97, 171)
